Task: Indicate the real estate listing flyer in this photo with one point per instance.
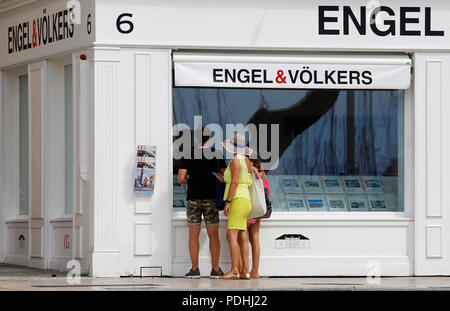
(296, 203)
(353, 185)
(311, 184)
(373, 185)
(316, 203)
(378, 203)
(357, 203)
(332, 184)
(291, 185)
(336, 203)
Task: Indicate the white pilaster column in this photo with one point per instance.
(106, 254)
(38, 221)
(432, 168)
(83, 84)
(2, 208)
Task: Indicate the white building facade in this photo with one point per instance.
(361, 183)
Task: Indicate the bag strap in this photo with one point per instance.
(256, 173)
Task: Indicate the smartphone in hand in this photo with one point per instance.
(218, 176)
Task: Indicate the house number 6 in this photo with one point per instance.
(120, 22)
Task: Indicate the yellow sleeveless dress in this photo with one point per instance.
(241, 205)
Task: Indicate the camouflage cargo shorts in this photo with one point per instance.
(196, 208)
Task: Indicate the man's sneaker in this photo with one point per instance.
(216, 274)
(193, 274)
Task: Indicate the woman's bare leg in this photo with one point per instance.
(253, 233)
(243, 245)
(232, 237)
(240, 258)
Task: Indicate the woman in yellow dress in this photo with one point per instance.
(238, 178)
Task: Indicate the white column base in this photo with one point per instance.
(106, 264)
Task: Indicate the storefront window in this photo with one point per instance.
(23, 154)
(339, 150)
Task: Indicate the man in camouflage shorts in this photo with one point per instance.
(196, 208)
(200, 200)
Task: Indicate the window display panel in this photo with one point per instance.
(339, 150)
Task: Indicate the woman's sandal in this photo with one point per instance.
(231, 276)
(245, 276)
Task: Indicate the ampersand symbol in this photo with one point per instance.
(34, 34)
(280, 77)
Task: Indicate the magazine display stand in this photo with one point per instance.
(145, 172)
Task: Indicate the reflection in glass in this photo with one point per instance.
(331, 142)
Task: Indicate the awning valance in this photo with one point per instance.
(244, 70)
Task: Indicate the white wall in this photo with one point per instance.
(12, 224)
(131, 106)
(24, 11)
(261, 25)
(59, 237)
(140, 224)
(10, 145)
(432, 155)
(337, 246)
(46, 229)
(2, 209)
(38, 222)
(82, 217)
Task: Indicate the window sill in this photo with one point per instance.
(321, 216)
(61, 219)
(16, 220)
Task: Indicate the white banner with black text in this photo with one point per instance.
(292, 75)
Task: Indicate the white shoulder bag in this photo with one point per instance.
(257, 197)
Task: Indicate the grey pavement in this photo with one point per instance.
(27, 279)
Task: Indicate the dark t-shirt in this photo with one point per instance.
(201, 182)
